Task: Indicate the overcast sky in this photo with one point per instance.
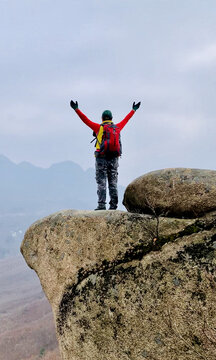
(107, 54)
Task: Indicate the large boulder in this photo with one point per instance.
(127, 286)
(179, 192)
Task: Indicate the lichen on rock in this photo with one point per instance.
(124, 287)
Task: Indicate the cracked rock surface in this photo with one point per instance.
(125, 286)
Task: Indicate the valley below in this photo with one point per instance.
(27, 329)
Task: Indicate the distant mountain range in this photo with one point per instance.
(28, 192)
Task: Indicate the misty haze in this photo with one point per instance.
(105, 55)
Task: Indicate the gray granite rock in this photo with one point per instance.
(177, 192)
(118, 292)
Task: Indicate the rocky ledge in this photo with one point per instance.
(128, 286)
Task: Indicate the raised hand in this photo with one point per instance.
(136, 106)
(74, 105)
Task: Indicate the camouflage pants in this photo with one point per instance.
(107, 169)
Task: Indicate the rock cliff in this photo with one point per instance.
(130, 285)
(127, 286)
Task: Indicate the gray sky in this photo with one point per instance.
(106, 54)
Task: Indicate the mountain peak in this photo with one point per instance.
(3, 158)
(5, 161)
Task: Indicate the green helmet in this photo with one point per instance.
(107, 115)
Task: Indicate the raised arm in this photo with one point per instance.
(127, 118)
(94, 126)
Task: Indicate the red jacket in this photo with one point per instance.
(95, 126)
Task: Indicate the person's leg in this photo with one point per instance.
(101, 176)
(112, 171)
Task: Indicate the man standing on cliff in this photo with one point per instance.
(108, 150)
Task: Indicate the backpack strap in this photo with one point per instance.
(95, 137)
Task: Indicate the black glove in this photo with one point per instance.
(74, 105)
(136, 106)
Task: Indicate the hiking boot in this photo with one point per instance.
(101, 207)
(113, 208)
